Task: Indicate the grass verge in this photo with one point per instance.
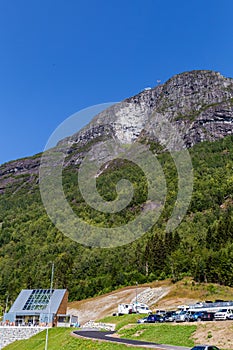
(161, 333)
(60, 339)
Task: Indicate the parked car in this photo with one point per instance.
(170, 316)
(154, 318)
(182, 316)
(195, 316)
(205, 347)
(207, 316)
(223, 314)
(142, 320)
(160, 312)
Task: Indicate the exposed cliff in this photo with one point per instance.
(198, 103)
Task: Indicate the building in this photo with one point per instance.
(42, 307)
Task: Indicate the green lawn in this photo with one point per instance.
(60, 339)
(161, 333)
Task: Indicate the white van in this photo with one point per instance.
(125, 309)
(223, 314)
(140, 308)
(137, 308)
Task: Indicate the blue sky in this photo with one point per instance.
(60, 56)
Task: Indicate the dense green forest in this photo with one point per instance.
(202, 246)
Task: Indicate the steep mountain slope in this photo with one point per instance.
(199, 106)
(198, 102)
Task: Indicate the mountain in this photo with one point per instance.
(191, 110)
(199, 104)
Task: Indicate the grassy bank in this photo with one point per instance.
(173, 334)
(161, 333)
(60, 339)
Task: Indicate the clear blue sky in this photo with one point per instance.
(59, 56)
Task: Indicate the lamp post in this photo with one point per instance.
(136, 297)
(7, 299)
(51, 288)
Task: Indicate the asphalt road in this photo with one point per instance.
(106, 336)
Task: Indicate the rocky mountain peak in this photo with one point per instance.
(198, 103)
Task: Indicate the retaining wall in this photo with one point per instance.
(9, 334)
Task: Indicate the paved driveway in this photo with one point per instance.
(107, 336)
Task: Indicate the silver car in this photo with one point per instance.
(182, 317)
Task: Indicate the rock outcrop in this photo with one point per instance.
(197, 105)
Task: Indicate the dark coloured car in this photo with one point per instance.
(207, 316)
(195, 316)
(142, 320)
(205, 347)
(154, 318)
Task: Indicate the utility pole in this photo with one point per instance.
(136, 297)
(52, 276)
(51, 289)
(7, 299)
(2, 332)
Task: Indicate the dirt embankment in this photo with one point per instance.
(106, 305)
(219, 333)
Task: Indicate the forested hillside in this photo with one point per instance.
(202, 246)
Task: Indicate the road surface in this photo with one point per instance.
(107, 336)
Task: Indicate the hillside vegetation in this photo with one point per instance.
(201, 247)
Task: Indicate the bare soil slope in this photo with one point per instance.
(219, 333)
(105, 305)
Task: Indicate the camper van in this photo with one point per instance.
(125, 309)
(140, 308)
(137, 308)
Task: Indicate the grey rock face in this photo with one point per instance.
(19, 172)
(199, 104)
(195, 106)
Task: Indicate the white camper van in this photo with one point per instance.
(137, 308)
(125, 309)
(140, 308)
